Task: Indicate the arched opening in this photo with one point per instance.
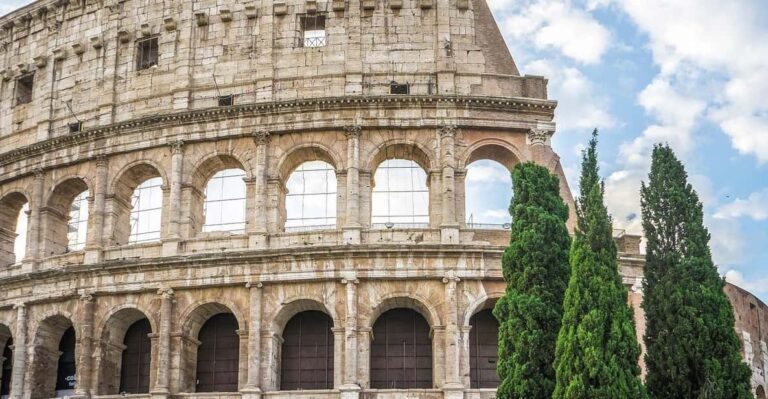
(487, 195)
(400, 196)
(310, 202)
(224, 205)
(146, 211)
(307, 352)
(760, 393)
(137, 355)
(218, 355)
(136, 209)
(66, 369)
(14, 213)
(6, 369)
(6, 361)
(66, 218)
(401, 351)
(483, 349)
(52, 366)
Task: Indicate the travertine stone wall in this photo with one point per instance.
(292, 104)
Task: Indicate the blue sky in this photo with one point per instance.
(691, 73)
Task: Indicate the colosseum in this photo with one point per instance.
(263, 198)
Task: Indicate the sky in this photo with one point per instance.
(690, 73)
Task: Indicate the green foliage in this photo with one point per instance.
(693, 349)
(535, 266)
(597, 351)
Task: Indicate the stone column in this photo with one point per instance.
(353, 62)
(164, 344)
(85, 338)
(34, 237)
(352, 228)
(464, 372)
(171, 242)
(95, 238)
(252, 388)
(257, 234)
(338, 356)
(453, 387)
(449, 228)
(350, 388)
(19, 353)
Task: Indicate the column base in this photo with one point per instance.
(93, 255)
(160, 394)
(257, 241)
(453, 391)
(171, 247)
(352, 235)
(349, 391)
(449, 234)
(250, 393)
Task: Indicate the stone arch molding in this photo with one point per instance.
(294, 306)
(293, 157)
(404, 300)
(482, 302)
(400, 149)
(503, 152)
(55, 214)
(197, 313)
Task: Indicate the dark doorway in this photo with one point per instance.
(483, 350)
(401, 351)
(307, 354)
(66, 372)
(134, 373)
(7, 369)
(218, 355)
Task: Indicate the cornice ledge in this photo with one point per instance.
(256, 109)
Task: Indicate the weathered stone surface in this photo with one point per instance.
(292, 104)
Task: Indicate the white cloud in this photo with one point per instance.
(558, 25)
(754, 207)
(571, 87)
(755, 286)
(485, 173)
(697, 42)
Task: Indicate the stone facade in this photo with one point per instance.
(466, 101)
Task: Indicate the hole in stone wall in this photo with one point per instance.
(24, 86)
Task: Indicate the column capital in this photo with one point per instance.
(346, 281)
(261, 136)
(254, 284)
(101, 160)
(177, 146)
(447, 130)
(353, 131)
(20, 305)
(541, 133)
(86, 297)
(166, 292)
(39, 172)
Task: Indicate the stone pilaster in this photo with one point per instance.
(162, 380)
(257, 232)
(252, 388)
(95, 238)
(449, 227)
(353, 227)
(86, 310)
(19, 353)
(453, 387)
(34, 229)
(171, 242)
(350, 387)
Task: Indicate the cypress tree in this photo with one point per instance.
(535, 267)
(693, 349)
(597, 351)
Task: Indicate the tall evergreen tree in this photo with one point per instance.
(693, 349)
(597, 351)
(535, 266)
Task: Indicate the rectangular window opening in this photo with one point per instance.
(75, 127)
(397, 88)
(226, 101)
(313, 31)
(24, 86)
(147, 53)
